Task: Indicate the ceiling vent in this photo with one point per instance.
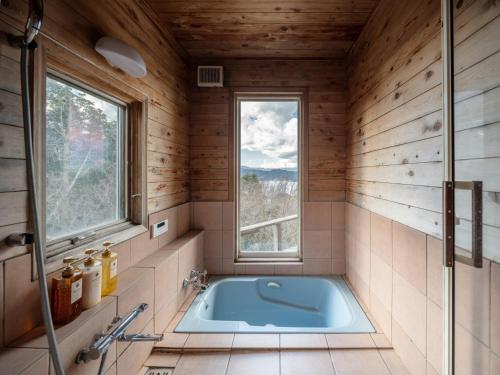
(210, 76)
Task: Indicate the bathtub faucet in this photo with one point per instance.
(197, 279)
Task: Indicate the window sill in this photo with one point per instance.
(275, 261)
(54, 263)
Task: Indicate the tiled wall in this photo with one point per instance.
(397, 272)
(150, 270)
(323, 240)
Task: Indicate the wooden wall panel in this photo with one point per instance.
(69, 33)
(394, 162)
(324, 82)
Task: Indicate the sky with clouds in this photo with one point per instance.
(269, 134)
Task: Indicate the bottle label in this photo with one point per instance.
(95, 278)
(76, 291)
(113, 268)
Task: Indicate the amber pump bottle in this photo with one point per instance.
(109, 261)
(66, 294)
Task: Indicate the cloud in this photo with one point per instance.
(270, 128)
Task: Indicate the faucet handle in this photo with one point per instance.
(198, 273)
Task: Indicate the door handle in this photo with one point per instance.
(476, 187)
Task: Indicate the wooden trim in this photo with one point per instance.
(136, 142)
(137, 158)
(248, 93)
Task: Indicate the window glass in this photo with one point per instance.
(84, 160)
(268, 194)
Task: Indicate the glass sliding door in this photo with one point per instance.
(472, 190)
(268, 132)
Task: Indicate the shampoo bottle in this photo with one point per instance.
(66, 294)
(109, 261)
(92, 279)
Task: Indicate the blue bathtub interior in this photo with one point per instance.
(279, 304)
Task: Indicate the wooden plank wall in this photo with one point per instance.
(69, 33)
(324, 82)
(395, 114)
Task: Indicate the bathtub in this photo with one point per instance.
(286, 304)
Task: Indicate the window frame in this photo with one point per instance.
(83, 74)
(271, 256)
(60, 244)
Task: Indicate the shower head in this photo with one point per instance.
(33, 25)
(34, 22)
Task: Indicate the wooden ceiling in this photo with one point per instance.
(265, 28)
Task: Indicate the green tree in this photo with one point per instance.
(81, 160)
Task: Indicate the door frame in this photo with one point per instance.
(450, 185)
(447, 45)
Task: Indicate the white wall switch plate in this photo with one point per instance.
(159, 228)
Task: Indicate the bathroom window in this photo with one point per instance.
(85, 184)
(268, 177)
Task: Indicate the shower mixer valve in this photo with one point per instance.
(116, 332)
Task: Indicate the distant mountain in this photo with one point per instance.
(270, 174)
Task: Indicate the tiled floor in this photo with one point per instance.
(285, 362)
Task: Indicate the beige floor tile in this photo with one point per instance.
(162, 360)
(317, 362)
(209, 341)
(202, 364)
(358, 362)
(393, 362)
(349, 340)
(173, 340)
(257, 340)
(381, 341)
(251, 363)
(303, 341)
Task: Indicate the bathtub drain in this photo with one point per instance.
(160, 371)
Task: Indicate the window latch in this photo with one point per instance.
(87, 237)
